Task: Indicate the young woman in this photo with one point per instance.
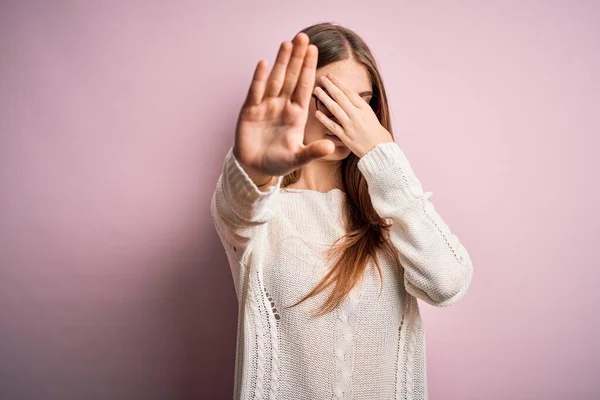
(329, 235)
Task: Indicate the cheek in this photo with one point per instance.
(314, 129)
(313, 123)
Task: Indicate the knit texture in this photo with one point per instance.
(373, 345)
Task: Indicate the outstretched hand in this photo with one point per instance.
(270, 129)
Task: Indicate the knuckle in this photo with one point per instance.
(303, 85)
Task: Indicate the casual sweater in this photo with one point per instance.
(373, 345)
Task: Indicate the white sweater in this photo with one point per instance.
(373, 346)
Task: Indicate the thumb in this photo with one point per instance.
(314, 150)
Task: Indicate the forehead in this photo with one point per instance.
(349, 72)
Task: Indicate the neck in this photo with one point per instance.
(320, 175)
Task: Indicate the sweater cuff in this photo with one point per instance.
(244, 194)
(386, 165)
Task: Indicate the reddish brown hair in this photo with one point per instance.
(366, 231)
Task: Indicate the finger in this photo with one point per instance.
(317, 149)
(352, 95)
(295, 65)
(277, 74)
(257, 87)
(306, 82)
(339, 96)
(333, 127)
(338, 112)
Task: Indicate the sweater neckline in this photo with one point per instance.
(330, 192)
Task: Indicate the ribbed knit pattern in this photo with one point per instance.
(374, 345)
(346, 320)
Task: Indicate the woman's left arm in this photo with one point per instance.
(437, 267)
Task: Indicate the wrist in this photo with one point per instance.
(264, 184)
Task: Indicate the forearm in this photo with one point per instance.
(437, 267)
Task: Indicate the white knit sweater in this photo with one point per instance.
(373, 346)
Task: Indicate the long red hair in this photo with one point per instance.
(366, 231)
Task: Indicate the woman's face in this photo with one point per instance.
(353, 75)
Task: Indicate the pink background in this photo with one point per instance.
(114, 121)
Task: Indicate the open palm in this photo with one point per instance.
(270, 129)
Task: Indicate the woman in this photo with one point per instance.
(328, 233)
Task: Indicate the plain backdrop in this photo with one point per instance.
(115, 117)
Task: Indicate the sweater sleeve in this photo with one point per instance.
(437, 267)
(239, 209)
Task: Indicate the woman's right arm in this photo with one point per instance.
(269, 143)
(239, 207)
